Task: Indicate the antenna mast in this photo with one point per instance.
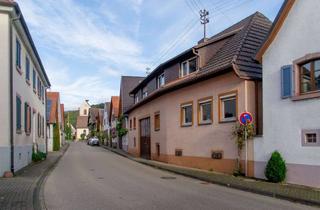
(204, 19)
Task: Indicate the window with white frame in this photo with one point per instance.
(228, 107)
(186, 113)
(144, 92)
(310, 137)
(136, 98)
(205, 111)
(160, 80)
(188, 67)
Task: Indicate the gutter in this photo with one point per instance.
(12, 20)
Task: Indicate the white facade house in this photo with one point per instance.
(291, 93)
(106, 122)
(82, 120)
(23, 83)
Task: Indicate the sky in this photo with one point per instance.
(86, 45)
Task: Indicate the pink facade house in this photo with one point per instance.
(186, 109)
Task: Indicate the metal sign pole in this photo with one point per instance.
(245, 139)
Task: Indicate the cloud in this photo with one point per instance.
(72, 30)
(74, 90)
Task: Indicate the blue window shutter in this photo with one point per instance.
(286, 81)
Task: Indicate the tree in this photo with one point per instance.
(276, 169)
(56, 137)
(241, 134)
(120, 130)
(68, 132)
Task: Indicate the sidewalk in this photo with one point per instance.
(290, 192)
(21, 191)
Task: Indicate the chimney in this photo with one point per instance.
(203, 40)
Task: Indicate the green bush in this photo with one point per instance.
(39, 156)
(56, 137)
(276, 169)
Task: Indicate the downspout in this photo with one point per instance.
(11, 93)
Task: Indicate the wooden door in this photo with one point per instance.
(145, 141)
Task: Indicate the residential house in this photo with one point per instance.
(113, 119)
(63, 137)
(95, 120)
(186, 109)
(126, 101)
(23, 83)
(82, 120)
(54, 120)
(106, 122)
(291, 93)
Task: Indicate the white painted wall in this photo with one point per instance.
(22, 142)
(4, 93)
(84, 106)
(283, 118)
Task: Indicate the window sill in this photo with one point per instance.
(205, 123)
(19, 70)
(186, 125)
(227, 121)
(310, 95)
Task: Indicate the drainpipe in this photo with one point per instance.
(12, 20)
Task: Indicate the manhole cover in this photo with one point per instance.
(100, 177)
(168, 177)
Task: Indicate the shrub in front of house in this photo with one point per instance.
(39, 156)
(276, 169)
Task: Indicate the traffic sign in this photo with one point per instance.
(245, 118)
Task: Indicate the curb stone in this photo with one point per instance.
(38, 192)
(193, 173)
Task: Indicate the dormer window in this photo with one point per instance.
(144, 92)
(136, 98)
(188, 67)
(160, 80)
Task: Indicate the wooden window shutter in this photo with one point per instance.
(286, 81)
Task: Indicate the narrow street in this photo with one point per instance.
(94, 178)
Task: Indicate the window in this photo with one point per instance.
(18, 114)
(27, 118)
(228, 107)
(186, 114)
(34, 79)
(310, 76)
(18, 55)
(157, 121)
(188, 67)
(27, 69)
(39, 125)
(130, 124)
(158, 149)
(160, 80)
(205, 111)
(144, 92)
(310, 137)
(134, 123)
(136, 98)
(38, 86)
(178, 152)
(84, 112)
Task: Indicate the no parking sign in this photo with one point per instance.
(245, 118)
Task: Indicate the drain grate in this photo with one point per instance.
(168, 177)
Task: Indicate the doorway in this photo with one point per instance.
(145, 140)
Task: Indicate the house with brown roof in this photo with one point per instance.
(290, 57)
(186, 109)
(95, 120)
(82, 120)
(54, 121)
(126, 101)
(113, 119)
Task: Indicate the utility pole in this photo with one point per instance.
(204, 20)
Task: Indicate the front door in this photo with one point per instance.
(145, 141)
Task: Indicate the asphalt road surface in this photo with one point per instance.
(94, 178)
